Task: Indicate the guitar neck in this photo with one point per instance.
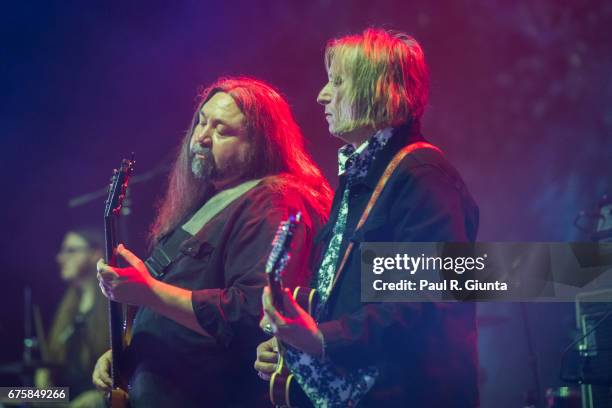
(276, 290)
(110, 241)
(115, 310)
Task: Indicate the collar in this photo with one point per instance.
(402, 136)
(355, 162)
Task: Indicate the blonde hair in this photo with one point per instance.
(387, 74)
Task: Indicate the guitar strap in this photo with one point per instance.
(164, 254)
(376, 193)
(216, 204)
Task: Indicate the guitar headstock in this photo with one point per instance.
(279, 255)
(118, 187)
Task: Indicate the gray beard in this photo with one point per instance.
(207, 171)
(204, 169)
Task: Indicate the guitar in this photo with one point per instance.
(120, 322)
(284, 390)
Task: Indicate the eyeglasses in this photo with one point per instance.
(73, 250)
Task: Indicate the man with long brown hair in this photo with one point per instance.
(241, 169)
(380, 354)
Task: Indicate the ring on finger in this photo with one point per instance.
(268, 329)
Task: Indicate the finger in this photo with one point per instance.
(290, 305)
(105, 285)
(100, 265)
(101, 383)
(265, 368)
(266, 301)
(110, 273)
(276, 321)
(263, 322)
(264, 376)
(106, 380)
(265, 325)
(104, 279)
(105, 372)
(104, 288)
(105, 270)
(267, 357)
(266, 298)
(130, 257)
(108, 276)
(100, 386)
(270, 345)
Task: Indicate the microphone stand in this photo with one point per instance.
(102, 192)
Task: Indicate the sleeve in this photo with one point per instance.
(427, 206)
(218, 311)
(361, 333)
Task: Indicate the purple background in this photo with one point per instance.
(520, 102)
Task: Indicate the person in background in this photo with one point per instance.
(79, 332)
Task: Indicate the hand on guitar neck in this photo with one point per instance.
(287, 320)
(132, 285)
(294, 326)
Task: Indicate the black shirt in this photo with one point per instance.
(223, 264)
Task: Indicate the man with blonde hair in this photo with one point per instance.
(388, 354)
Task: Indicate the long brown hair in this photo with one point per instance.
(278, 149)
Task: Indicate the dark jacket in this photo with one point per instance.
(426, 352)
(223, 264)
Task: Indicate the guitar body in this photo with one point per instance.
(118, 398)
(284, 390)
(281, 383)
(120, 316)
